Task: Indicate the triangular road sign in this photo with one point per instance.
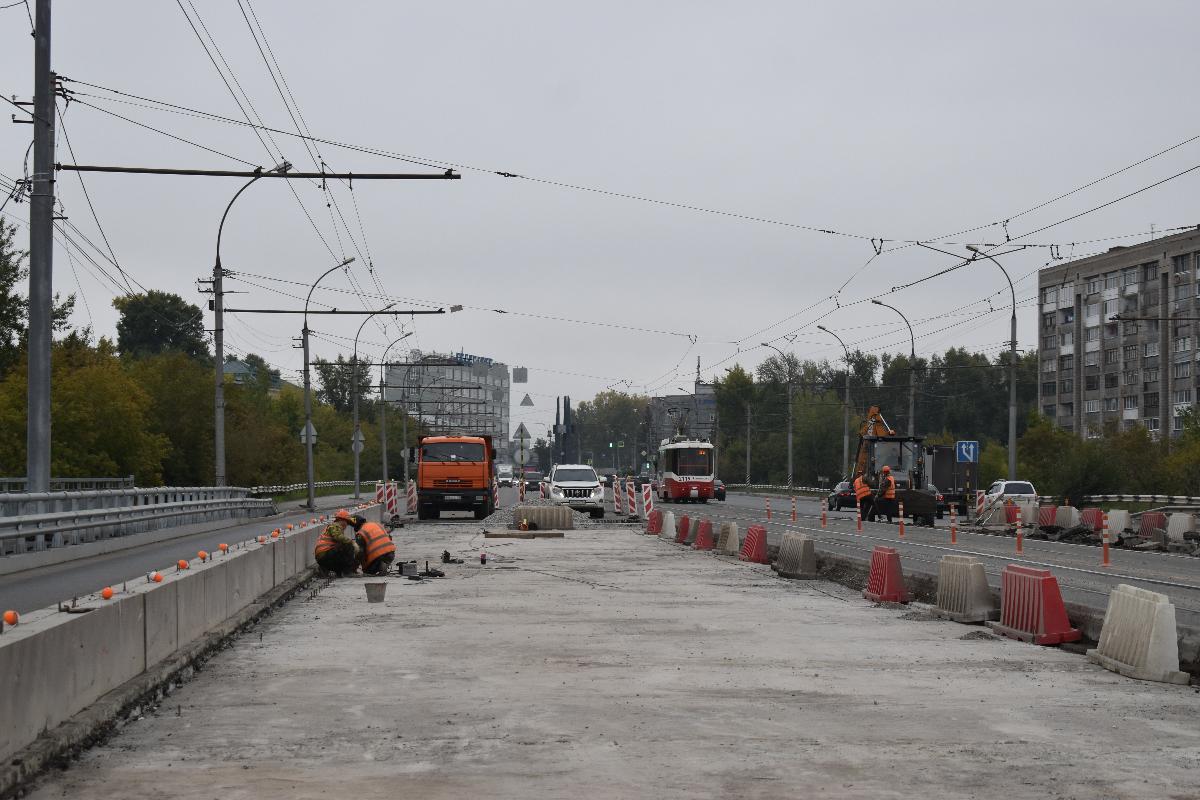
(522, 433)
(528, 401)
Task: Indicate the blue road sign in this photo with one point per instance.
(967, 452)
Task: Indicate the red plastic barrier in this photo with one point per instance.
(754, 547)
(704, 536)
(654, 522)
(1092, 518)
(1151, 521)
(886, 581)
(1046, 516)
(681, 529)
(1012, 515)
(1032, 607)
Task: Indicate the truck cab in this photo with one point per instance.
(454, 473)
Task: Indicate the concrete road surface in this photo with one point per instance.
(612, 664)
(39, 588)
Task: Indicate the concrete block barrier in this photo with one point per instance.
(547, 518)
(1178, 525)
(1046, 516)
(1031, 607)
(797, 557)
(1092, 519)
(962, 590)
(754, 548)
(693, 532)
(885, 583)
(728, 542)
(682, 528)
(1119, 521)
(654, 522)
(1138, 639)
(704, 536)
(1012, 514)
(1152, 525)
(1030, 515)
(1066, 517)
(668, 526)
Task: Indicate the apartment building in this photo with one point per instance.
(1119, 337)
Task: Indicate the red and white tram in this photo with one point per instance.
(685, 470)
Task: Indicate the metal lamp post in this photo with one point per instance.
(912, 370)
(1012, 369)
(845, 408)
(788, 371)
(383, 411)
(308, 426)
(357, 444)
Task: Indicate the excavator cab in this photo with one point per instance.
(879, 445)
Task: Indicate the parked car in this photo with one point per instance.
(1020, 492)
(577, 486)
(718, 489)
(841, 497)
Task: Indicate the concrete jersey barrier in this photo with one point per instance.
(962, 590)
(1138, 639)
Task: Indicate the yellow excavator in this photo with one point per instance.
(878, 445)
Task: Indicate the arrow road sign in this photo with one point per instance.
(967, 452)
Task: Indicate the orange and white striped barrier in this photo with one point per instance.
(794, 510)
(901, 506)
(824, 522)
(953, 525)
(618, 497)
(858, 514)
(521, 489)
(647, 500)
(412, 496)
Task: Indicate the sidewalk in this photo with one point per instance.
(611, 664)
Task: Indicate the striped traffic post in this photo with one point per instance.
(1105, 561)
(953, 525)
(901, 506)
(794, 508)
(768, 509)
(858, 512)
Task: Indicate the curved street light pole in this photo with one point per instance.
(845, 408)
(788, 372)
(356, 445)
(1012, 368)
(912, 370)
(308, 426)
(383, 446)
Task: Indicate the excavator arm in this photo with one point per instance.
(873, 425)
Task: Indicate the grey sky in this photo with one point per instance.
(892, 120)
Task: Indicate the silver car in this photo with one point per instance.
(577, 486)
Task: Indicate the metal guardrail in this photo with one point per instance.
(15, 504)
(35, 532)
(257, 491)
(68, 484)
(766, 487)
(1168, 499)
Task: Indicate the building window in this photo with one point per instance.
(1110, 355)
(1049, 366)
(1066, 363)
(1066, 316)
(1131, 352)
(1066, 386)
(1150, 349)
(1151, 399)
(1112, 280)
(1091, 334)
(1182, 370)
(1131, 402)
(1129, 276)
(1091, 406)
(1050, 294)
(1095, 284)
(1091, 359)
(1151, 374)
(1091, 310)
(1110, 380)
(1111, 307)
(1048, 388)
(1181, 291)
(1152, 423)
(1183, 344)
(1110, 403)
(1181, 264)
(1150, 271)
(1067, 338)
(1183, 396)
(1131, 377)
(1091, 382)
(1048, 411)
(1048, 320)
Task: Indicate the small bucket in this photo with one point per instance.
(376, 591)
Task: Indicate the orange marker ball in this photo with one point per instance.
(202, 555)
(275, 533)
(181, 564)
(157, 577)
(289, 528)
(262, 539)
(223, 547)
(11, 618)
(106, 593)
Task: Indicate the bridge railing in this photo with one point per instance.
(286, 488)
(69, 484)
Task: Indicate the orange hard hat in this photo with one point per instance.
(886, 468)
(342, 514)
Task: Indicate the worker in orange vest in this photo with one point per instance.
(885, 502)
(336, 553)
(376, 548)
(862, 494)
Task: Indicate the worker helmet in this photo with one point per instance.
(886, 469)
(343, 515)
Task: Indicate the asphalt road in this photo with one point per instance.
(1080, 575)
(40, 588)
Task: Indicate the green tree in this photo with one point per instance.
(158, 322)
(14, 307)
(181, 409)
(335, 379)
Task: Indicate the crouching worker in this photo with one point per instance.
(375, 545)
(337, 553)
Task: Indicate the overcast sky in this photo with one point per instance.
(881, 120)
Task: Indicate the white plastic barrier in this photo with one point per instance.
(1138, 639)
(1029, 514)
(729, 543)
(1067, 517)
(1119, 521)
(1178, 525)
(962, 590)
(797, 557)
(668, 526)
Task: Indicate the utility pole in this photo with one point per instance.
(747, 442)
(41, 259)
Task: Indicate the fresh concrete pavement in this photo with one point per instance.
(614, 664)
(45, 586)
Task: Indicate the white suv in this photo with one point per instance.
(1020, 492)
(577, 486)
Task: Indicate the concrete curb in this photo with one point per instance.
(98, 721)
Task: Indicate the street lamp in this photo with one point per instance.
(788, 372)
(383, 411)
(1012, 367)
(912, 368)
(845, 409)
(356, 445)
(309, 432)
(218, 283)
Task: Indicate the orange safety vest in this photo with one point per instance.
(376, 542)
(326, 541)
(861, 490)
(888, 485)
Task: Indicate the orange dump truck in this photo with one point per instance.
(454, 473)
